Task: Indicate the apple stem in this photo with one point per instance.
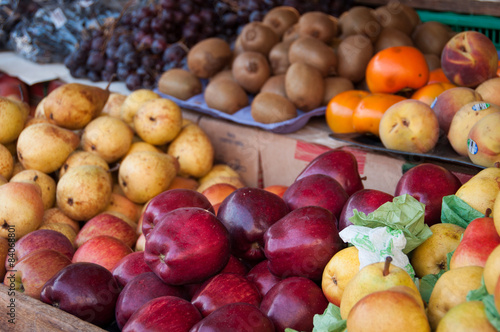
(487, 213)
(496, 164)
(387, 264)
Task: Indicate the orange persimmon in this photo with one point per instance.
(437, 75)
(428, 93)
(340, 109)
(369, 111)
(397, 68)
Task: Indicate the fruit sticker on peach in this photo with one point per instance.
(472, 146)
(480, 106)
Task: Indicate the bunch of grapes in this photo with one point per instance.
(154, 37)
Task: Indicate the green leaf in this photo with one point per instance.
(404, 213)
(448, 257)
(427, 284)
(329, 321)
(491, 311)
(290, 330)
(477, 294)
(455, 210)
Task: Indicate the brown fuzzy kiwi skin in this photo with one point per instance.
(251, 70)
(268, 107)
(314, 52)
(390, 37)
(359, 20)
(208, 57)
(354, 53)
(226, 96)
(275, 84)
(281, 18)
(223, 74)
(335, 85)
(179, 83)
(304, 86)
(278, 57)
(433, 61)
(318, 25)
(291, 33)
(431, 37)
(393, 16)
(258, 37)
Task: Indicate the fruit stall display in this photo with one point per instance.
(116, 211)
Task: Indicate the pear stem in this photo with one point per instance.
(487, 213)
(387, 264)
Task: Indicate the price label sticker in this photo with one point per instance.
(58, 18)
(472, 145)
(480, 106)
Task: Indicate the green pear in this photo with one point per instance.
(430, 257)
(12, 118)
(6, 162)
(21, 209)
(466, 317)
(46, 182)
(143, 175)
(73, 105)
(84, 191)
(481, 190)
(451, 289)
(108, 137)
(484, 141)
(371, 278)
(133, 101)
(45, 147)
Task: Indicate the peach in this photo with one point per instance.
(469, 58)
(484, 141)
(217, 192)
(489, 90)
(450, 101)
(277, 189)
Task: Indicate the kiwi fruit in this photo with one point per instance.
(304, 86)
(433, 61)
(179, 83)
(291, 33)
(208, 57)
(226, 96)
(393, 16)
(268, 107)
(275, 84)
(314, 52)
(280, 18)
(318, 25)
(223, 74)
(354, 53)
(251, 70)
(431, 37)
(411, 14)
(278, 57)
(258, 37)
(359, 20)
(390, 37)
(335, 85)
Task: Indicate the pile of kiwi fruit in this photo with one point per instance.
(291, 61)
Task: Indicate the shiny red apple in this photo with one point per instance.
(129, 267)
(262, 278)
(107, 224)
(104, 250)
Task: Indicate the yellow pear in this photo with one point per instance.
(341, 268)
(158, 121)
(133, 102)
(80, 157)
(45, 147)
(113, 105)
(496, 213)
(21, 209)
(74, 105)
(142, 146)
(143, 175)
(466, 317)
(56, 216)
(491, 271)
(83, 192)
(451, 289)
(194, 151)
(12, 118)
(481, 190)
(120, 203)
(463, 120)
(6, 162)
(430, 256)
(371, 278)
(3, 180)
(46, 182)
(64, 229)
(394, 309)
(219, 170)
(108, 137)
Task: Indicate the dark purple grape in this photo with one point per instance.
(168, 4)
(131, 60)
(110, 66)
(97, 43)
(167, 15)
(124, 49)
(230, 19)
(122, 71)
(157, 24)
(85, 45)
(149, 82)
(221, 8)
(79, 72)
(256, 16)
(138, 35)
(70, 61)
(195, 20)
(141, 71)
(108, 76)
(207, 16)
(145, 42)
(94, 76)
(95, 61)
(158, 46)
(133, 82)
(186, 7)
(145, 25)
(148, 61)
(111, 52)
(174, 53)
(178, 17)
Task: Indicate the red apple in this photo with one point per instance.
(187, 245)
(37, 240)
(235, 317)
(170, 200)
(428, 183)
(129, 267)
(13, 87)
(292, 303)
(34, 270)
(262, 278)
(140, 290)
(302, 242)
(340, 165)
(234, 265)
(222, 289)
(165, 313)
(106, 224)
(469, 58)
(104, 250)
(316, 190)
(86, 290)
(247, 213)
(366, 201)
